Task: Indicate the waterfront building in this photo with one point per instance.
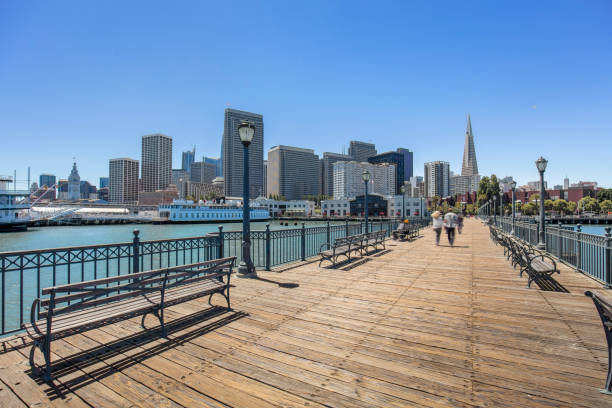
(103, 193)
(46, 180)
(292, 172)
(156, 162)
(327, 171)
(182, 211)
(202, 172)
(104, 182)
(62, 189)
(278, 208)
(123, 181)
(437, 179)
(216, 162)
(361, 151)
(413, 206)
(265, 178)
(402, 158)
(87, 190)
(336, 208)
(14, 208)
(233, 154)
(377, 205)
(159, 197)
(348, 180)
(199, 191)
(187, 159)
(74, 184)
(469, 165)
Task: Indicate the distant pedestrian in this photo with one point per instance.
(459, 223)
(450, 222)
(437, 225)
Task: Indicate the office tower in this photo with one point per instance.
(46, 180)
(470, 167)
(156, 162)
(202, 172)
(123, 181)
(348, 181)
(187, 159)
(74, 184)
(103, 182)
(402, 158)
(327, 171)
(292, 172)
(233, 154)
(216, 162)
(361, 151)
(437, 179)
(178, 176)
(566, 183)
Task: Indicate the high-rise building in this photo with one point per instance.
(123, 181)
(470, 166)
(88, 190)
(361, 151)
(327, 171)
(187, 158)
(348, 181)
(74, 184)
(156, 162)
(402, 158)
(292, 172)
(202, 172)
(46, 180)
(437, 179)
(216, 162)
(233, 154)
(566, 183)
(103, 182)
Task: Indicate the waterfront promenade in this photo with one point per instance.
(418, 325)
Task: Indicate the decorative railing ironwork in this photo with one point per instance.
(587, 253)
(23, 274)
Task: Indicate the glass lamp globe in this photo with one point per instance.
(365, 176)
(513, 185)
(246, 130)
(541, 164)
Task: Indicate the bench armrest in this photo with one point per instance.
(325, 245)
(543, 256)
(37, 332)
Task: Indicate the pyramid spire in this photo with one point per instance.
(469, 167)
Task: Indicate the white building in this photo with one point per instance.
(300, 208)
(335, 208)
(413, 206)
(463, 184)
(74, 184)
(123, 181)
(437, 179)
(348, 181)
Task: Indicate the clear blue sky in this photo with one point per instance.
(89, 78)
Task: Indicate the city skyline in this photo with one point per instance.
(543, 88)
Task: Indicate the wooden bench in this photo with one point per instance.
(74, 308)
(341, 247)
(604, 308)
(404, 231)
(373, 239)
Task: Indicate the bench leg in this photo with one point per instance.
(44, 346)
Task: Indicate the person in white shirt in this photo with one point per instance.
(437, 225)
(450, 222)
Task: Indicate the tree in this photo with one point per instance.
(588, 204)
(606, 206)
(487, 188)
(560, 206)
(529, 209)
(470, 209)
(548, 205)
(571, 207)
(604, 194)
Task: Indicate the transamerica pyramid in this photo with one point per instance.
(470, 167)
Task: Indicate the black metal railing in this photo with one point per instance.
(24, 273)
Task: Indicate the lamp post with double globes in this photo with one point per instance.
(246, 130)
(366, 178)
(494, 209)
(403, 190)
(541, 165)
(513, 186)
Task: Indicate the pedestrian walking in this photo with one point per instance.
(437, 225)
(459, 223)
(450, 222)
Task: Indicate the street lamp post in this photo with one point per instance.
(366, 178)
(246, 130)
(541, 165)
(495, 209)
(513, 186)
(403, 190)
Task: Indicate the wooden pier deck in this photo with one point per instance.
(418, 325)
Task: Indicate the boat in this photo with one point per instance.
(14, 206)
(187, 211)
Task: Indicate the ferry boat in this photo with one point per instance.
(184, 211)
(14, 206)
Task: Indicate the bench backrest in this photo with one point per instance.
(82, 295)
(603, 305)
(343, 241)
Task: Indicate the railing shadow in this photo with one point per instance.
(78, 362)
(287, 285)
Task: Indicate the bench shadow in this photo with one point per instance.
(454, 246)
(288, 285)
(72, 366)
(549, 284)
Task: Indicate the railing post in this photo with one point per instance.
(578, 247)
(267, 247)
(608, 249)
(303, 235)
(220, 241)
(346, 231)
(136, 252)
(328, 233)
